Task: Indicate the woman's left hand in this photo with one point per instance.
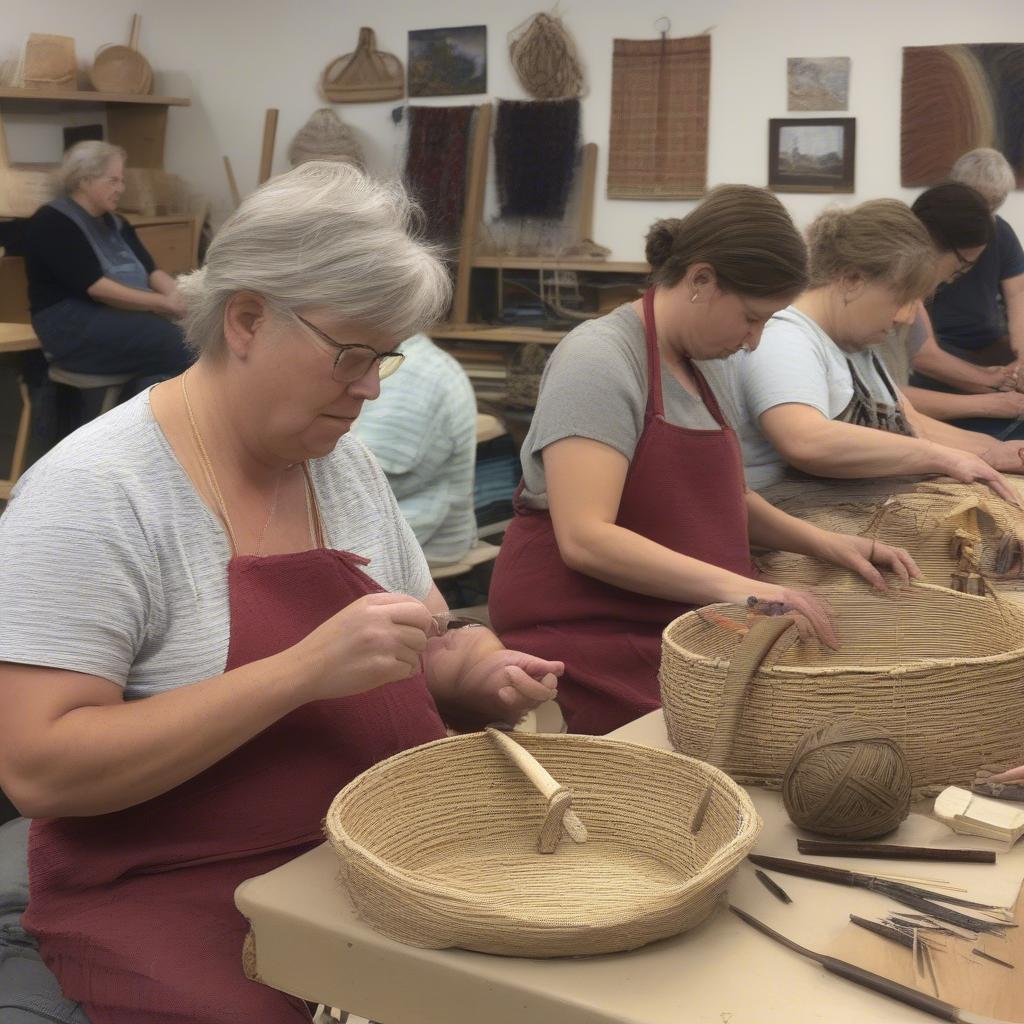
(504, 685)
(866, 557)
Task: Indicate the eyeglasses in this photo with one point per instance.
(963, 265)
(353, 362)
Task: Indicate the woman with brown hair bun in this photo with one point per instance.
(633, 506)
(816, 397)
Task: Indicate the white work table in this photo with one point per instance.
(309, 942)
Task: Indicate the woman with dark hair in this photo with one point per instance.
(943, 385)
(633, 506)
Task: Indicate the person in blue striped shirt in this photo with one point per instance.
(422, 429)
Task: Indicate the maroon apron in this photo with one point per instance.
(134, 910)
(684, 490)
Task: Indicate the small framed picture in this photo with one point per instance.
(448, 61)
(813, 154)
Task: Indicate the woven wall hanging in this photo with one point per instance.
(535, 151)
(955, 99)
(659, 125)
(436, 165)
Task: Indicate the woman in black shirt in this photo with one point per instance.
(99, 304)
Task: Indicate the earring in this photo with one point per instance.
(693, 297)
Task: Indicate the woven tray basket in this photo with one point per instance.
(439, 845)
(942, 672)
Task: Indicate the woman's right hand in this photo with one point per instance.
(814, 615)
(377, 639)
(969, 468)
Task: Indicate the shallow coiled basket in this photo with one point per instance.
(441, 845)
(941, 671)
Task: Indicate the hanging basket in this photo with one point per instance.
(442, 845)
(942, 671)
(367, 75)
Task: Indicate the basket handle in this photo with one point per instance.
(764, 631)
(560, 815)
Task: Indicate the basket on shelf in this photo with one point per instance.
(524, 373)
(942, 671)
(122, 69)
(441, 845)
(49, 63)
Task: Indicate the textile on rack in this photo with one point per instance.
(436, 167)
(535, 152)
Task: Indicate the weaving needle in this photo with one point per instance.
(772, 886)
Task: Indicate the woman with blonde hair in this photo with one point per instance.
(213, 616)
(633, 507)
(816, 397)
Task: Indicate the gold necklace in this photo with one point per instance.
(213, 484)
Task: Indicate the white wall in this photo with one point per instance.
(235, 58)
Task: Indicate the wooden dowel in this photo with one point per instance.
(772, 886)
(884, 851)
(133, 35)
(236, 198)
(588, 187)
(269, 137)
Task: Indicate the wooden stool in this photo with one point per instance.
(16, 338)
(112, 384)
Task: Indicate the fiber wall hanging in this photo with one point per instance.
(436, 164)
(535, 148)
(956, 98)
(659, 125)
(544, 58)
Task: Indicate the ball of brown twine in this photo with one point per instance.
(544, 58)
(848, 779)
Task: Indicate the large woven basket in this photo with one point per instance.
(440, 845)
(957, 533)
(941, 671)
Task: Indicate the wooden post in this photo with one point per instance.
(236, 197)
(472, 212)
(269, 136)
(588, 187)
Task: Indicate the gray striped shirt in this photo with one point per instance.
(112, 565)
(422, 429)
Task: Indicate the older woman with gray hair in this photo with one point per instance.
(99, 303)
(213, 616)
(979, 317)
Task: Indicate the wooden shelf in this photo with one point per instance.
(89, 96)
(539, 263)
(485, 332)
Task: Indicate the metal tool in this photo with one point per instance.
(859, 976)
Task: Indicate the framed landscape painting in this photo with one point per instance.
(811, 154)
